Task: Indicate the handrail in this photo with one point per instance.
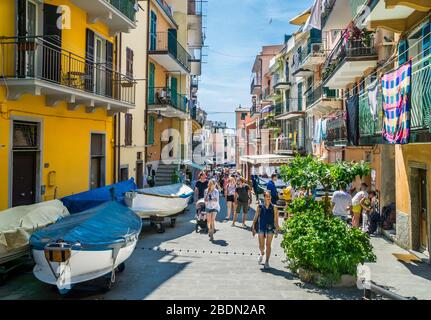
(167, 42)
(36, 57)
(167, 96)
(126, 7)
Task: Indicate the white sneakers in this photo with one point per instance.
(266, 265)
(260, 259)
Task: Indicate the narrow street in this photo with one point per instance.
(183, 264)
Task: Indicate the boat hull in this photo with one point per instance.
(83, 265)
(147, 206)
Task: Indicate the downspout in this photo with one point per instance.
(120, 54)
(146, 83)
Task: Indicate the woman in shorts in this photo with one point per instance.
(265, 224)
(212, 205)
(229, 192)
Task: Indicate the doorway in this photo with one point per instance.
(100, 64)
(419, 209)
(140, 174)
(25, 156)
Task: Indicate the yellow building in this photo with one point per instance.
(175, 40)
(58, 94)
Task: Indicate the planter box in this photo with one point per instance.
(316, 278)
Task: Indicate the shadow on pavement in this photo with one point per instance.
(421, 269)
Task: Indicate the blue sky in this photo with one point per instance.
(236, 30)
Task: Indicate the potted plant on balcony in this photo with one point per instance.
(319, 247)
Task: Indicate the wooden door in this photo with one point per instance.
(423, 214)
(24, 178)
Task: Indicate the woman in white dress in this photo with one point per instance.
(212, 205)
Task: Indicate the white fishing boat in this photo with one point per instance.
(161, 202)
(18, 223)
(85, 246)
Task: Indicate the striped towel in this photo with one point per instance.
(396, 87)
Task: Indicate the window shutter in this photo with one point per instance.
(109, 67)
(22, 32)
(128, 129)
(402, 51)
(150, 138)
(129, 62)
(89, 59)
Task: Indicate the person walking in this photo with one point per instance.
(200, 187)
(242, 201)
(212, 205)
(229, 192)
(255, 185)
(265, 224)
(272, 188)
(356, 205)
(341, 203)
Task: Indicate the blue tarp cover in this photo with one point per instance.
(95, 229)
(93, 198)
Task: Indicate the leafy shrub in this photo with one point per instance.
(324, 244)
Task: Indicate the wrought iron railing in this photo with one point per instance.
(420, 114)
(168, 97)
(198, 115)
(194, 7)
(319, 92)
(167, 42)
(166, 8)
(41, 58)
(421, 93)
(126, 7)
(255, 83)
(369, 124)
(349, 48)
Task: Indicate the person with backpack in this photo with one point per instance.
(265, 224)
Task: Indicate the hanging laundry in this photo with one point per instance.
(323, 129)
(353, 120)
(396, 87)
(373, 92)
(317, 130)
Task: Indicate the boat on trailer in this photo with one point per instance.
(16, 226)
(85, 246)
(159, 203)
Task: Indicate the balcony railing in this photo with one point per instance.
(279, 110)
(327, 10)
(320, 92)
(194, 7)
(167, 42)
(39, 58)
(166, 8)
(167, 97)
(420, 117)
(198, 115)
(126, 7)
(351, 48)
(255, 83)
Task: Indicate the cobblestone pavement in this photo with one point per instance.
(183, 264)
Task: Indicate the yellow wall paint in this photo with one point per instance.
(404, 155)
(65, 134)
(154, 151)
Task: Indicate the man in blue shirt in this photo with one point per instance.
(272, 188)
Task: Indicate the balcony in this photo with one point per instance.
(198, 115)
(323, 100)
(290, 145)
(336, 131)
(370, 127)
(281, 84)
(256, 86)
(168, 102)
(168, 52)
(348, 61)
(195, 26)
(167, 11)
(118, 15)
(35, 66)
(314, 56)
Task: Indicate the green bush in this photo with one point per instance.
(324, 244)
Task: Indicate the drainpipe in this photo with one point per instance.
(120, 54)
(146, 83)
